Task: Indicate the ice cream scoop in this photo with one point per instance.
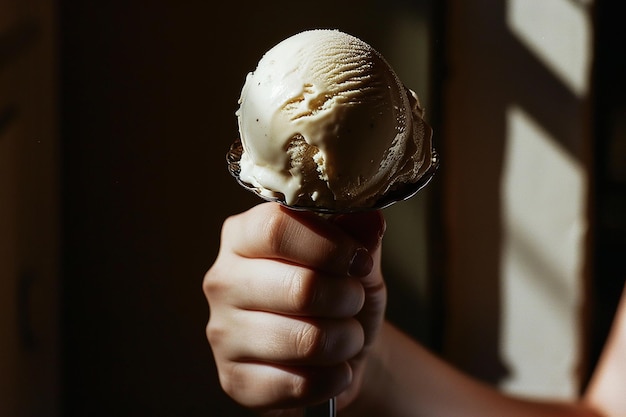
(325, 124)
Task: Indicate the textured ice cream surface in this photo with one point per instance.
(324, 121)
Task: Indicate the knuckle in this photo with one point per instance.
(233, 379)
(300, 387)
(310, 341)
(228, 227)
(274, 231)
(319, 384)
(212, 284)
(302, 293)
(215, 332)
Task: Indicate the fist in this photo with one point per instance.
(295, 302)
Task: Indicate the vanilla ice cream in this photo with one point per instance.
(325, 122)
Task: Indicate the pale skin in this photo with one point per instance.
(297, 307)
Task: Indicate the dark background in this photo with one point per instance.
(148, 95)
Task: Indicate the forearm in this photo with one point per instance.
(404, 379)
(606, 389)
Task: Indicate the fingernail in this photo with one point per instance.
(361, 263)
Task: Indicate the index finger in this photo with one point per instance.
(274, 232)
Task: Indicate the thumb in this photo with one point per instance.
(367, 227)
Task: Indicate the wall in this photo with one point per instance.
(518, 151)
(29, 210)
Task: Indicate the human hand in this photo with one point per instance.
(296, 301)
